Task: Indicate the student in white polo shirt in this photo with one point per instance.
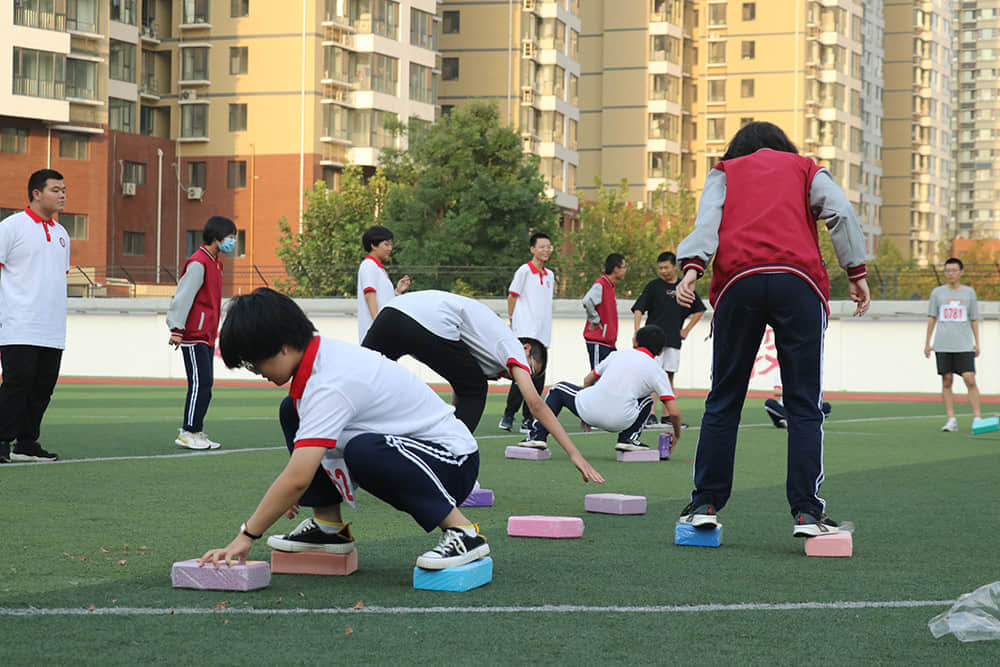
(374, 286)
(352, 418)
(34, 260)
(616, 395)
(465, 342)
(529, 307)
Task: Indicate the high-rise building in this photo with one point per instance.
(916, 128)
(524, 56)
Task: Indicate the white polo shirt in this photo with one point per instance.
(342, 390)
(532, 316)
(34, 259)
(625, 376)
(459, 318)
(372, 277)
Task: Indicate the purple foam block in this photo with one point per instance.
(250, 576)
(479, 498)
(641, 455)
(614, 503)
(665, 445)
(529, 453)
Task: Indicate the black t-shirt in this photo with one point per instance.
(659, 302)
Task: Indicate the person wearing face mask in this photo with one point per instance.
(193, 319)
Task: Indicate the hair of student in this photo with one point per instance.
(955, 260)
(374, 235)
(613, 261)
(756, 135)
(536, 237)
(667, 256)
(37, 181)
(652, 338)
(259, 324)
(217, 228)
(537, 352)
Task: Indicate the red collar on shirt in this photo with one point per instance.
(539, 272)
(608, 280)
(305, 369)
(45, 223)
(208, 252)
(645, 351)
(372, 258)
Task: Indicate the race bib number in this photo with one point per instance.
(337, 470)
(953, 311)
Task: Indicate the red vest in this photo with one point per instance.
(767, 225)
(202, 324)
(607, 334)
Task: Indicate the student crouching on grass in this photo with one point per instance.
(351, 418)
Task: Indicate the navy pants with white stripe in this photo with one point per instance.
(198, 364)
(596, 353)
(796, 313)
(563, 395)
(418, 477)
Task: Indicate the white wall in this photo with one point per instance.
(881, 353)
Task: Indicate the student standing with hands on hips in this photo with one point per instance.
(757, 219)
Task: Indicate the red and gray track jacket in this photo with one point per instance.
(195, 309)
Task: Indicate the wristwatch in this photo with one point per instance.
(244, 531)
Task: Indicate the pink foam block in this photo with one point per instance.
(314, 562)
(840, 544)
(642, 455)
(614, 503)
(530, 453)
(545, 526)
(250, 576)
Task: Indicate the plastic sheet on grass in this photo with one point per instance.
(974, 617)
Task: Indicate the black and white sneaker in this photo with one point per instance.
(811, 525)
(534, 444)
(699, 516)
(506, 423)
(631, 445)
(526, 425)
(31, 452)
(4, 452)
(455, 548)
(308, 536)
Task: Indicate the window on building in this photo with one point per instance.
(241, 243)
(239, 60)
(194, 63)
(449, 69)
(237, 117)
(380, 17)
(237, 173)
(196, 175)
(133, 243)
(373, 71)
(446, 109)
(451, 22)
(75, 225)
(746, 120)
(121, 114)
(194, 239)
(748, 49)
(717, 14)
(81, 15)
(39, 74)
(123, 11)
(81, 79)
(134, 172)
(194, 11)
(13, 140)
(717, 53)
(74, 146)
(746, 87)
(239, 8)
(121, 61)
(422, 84)
(716, 129)
(194, 121)
(423, 30)
(147, 121)
(749, 11)
(716, 90)
(336, 122)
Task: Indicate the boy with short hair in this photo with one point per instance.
(529, 307)
(616, 395)
(601, 330)
(954, 309)
(193, 319)
(374, 286)
(352, 418)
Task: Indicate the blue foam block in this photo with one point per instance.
(987, 425)
(697, 537)
(461, 578)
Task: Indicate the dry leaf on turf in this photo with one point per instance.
(122, 561)
(359, 605)
(221, 605)
(91, 608)
(349, 630)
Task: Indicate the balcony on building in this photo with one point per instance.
(41, 14)
(194, 15)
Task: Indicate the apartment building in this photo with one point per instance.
(917, 126)
(162, 113)
(976, 127)
(524, 56)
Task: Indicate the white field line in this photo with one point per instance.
(541, 609)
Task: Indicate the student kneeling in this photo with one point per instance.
(352, 418)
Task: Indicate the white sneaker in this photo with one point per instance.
(951, 425)
(534, 444)
(212, 444)
(631, 446)
(192, 440)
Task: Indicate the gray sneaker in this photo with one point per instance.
(506, 423)
(699, 516)
(810, 525)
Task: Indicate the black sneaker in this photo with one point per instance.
(4, 452)
(651, 421)
(698, 516)
(811, 525)
(526, 425)
(506, 422)
(308, 536)
(31, 452)
(455, 548)
(684, 425)
(631, 446)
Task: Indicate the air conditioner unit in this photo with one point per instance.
(128, 189)
(528, 49)
(195, 193)
(528, 5)
(189, 94)
(527, 96)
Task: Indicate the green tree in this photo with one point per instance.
(470, 201)
(322, 260)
